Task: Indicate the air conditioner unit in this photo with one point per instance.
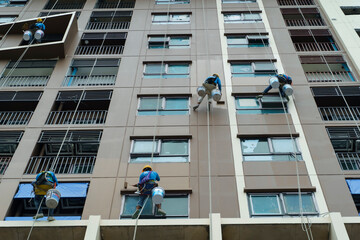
(53, 149)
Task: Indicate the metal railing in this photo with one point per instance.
(94, 50)
(349, 161)
(4, 163)
(81, 117)
(60, 5)
(329, 77)
(24, 81)
(312, 46)
(302, 22)
(93, 80)
(130, 4)
(295, 2)
(340, 113)
(64, 164)
(15, 118)
(107, 25)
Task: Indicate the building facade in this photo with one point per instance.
(110, 88)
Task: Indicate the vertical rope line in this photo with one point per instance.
(37, 212)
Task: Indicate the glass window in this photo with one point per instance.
(241, 17)
(292, 205)
(255, 145)
(265, 204)
(238, 1)
(171, 70)
(5, 19)
(232, 17)
(253, 69)
(252, 105)
(180, 17)
(171, 18)
(169, 42)
(160, 18)
(251, 17)
(178, 69)
(166, 106)
(241, 68)
(150, 103)
(171, 150)
(172, 1)
(155, 68)
(247, 41)
(284, 145)
(179, 42)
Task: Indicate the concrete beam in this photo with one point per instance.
(215, 226)
(93, 228)
(337, 227)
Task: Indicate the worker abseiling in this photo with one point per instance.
(209, 88)
(44, 181)
(147, 182)
(281, 81)
(36, 30)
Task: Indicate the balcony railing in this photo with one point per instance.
(94, 50)
(311, 46)
(93, 80)
(295, 2)
(15, 118)
(329, 77)
(340, 113)
(107, 25)
(302, 22)
(349, 161)
(64, 5)
(4, 163)
(81, 117)
(24, 81)
(63, 165)
(129, 4)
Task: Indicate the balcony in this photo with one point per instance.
(4, 162)
(64, 4)
(318, 46)
(114, 4)
(101, 43)
(24, 81)
(93, 80)
(96, 50)
(302, 22)
(349, 161)
(109, 20)
(80, 117)
(295, 17)
(341, 76)
(107, 25)
(340, 113)
(313, 40)
(295, 2)
(64, 164)
(15, 117)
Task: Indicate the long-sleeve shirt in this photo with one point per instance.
(215, 80)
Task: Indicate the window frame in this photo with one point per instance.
(166, 73)
(242, 16)
(157, 152)
(264, 41)
(162, 106)
(170, 18)
(167, 42)
(260, 109)
(253, 73)
(238, 1)
(157, 2)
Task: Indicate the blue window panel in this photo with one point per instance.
(157, 159)
(354, 185)
(150, 103)
(44, 219)
(155, 68)
(179, 42)
(291, 202)
(176, 103)
(241, 68)
(265, 205)
(162, 113)
(174, 147)
(67, 190)
(130, 206)
(145, 146)
(178, 69)
(256, 146)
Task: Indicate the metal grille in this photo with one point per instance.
(64, 165)
(107, 25)
(95, 50)
(72, 136)
(301, 22)
(63, 4)
(311, 46)
(328, 77)
(349, 132)
(295, 2)
(339, 113)
(81, 117)
(4, 163)
(24, 81)
(93, 80)
(15, 118)
(130, 4)
(349, 161)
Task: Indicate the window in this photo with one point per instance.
(101, 43)
(115, 4)
(270, 149)
(351, 10)
(163, 106)
(354, 186)
(238, 1)
(6, 19)
(8, 144)
(64, 4)
(253, 69)
(109, 20)
(281, 204)
(174, 18)
(70, 207)
(241, 17)
(175, 206)
(164, 150)
(169, 42)
(238, 41)
(12, 3)
(265, 105)
(172, 1)
(166, 70)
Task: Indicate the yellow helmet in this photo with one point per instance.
(215, 75)
(146, 167)
(39, 20)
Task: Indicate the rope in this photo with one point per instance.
(32, 226)
(137, 219)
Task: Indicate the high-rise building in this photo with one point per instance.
(111, 86)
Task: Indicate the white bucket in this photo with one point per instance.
(274, 82)
(27, 35)
(39, 34)
(216, 95)
(52, 198)
(158, 194)
(287, 89)
(201, 91)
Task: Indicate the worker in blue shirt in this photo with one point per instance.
(147, 181)
(44, 181)
(210, 84)
(283, 79)
(39, 25)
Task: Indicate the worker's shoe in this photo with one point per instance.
(50, 218)
(136, 214)
(196, 107)
(161, 212)
(39, 215)
(259, 96)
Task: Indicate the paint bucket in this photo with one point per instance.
(27, 35)
(39, 34)
(157, 194)
(274, 82)
(201, 91)
(52, 198)
(287, 89)
(216, 95)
